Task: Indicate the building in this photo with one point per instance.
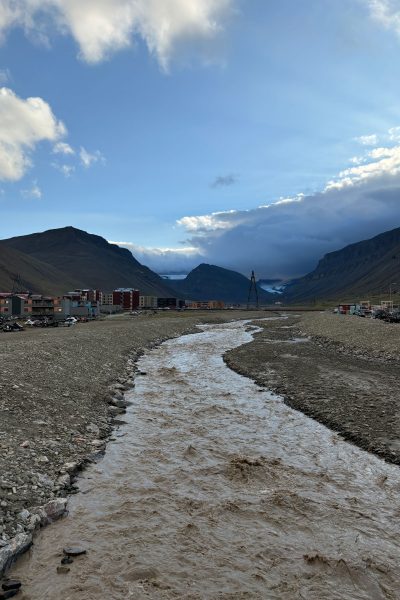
(90, 295)
(29, 305)
(127, 298)
(148, 302)
(107, 299)
(206, 305)
(5, 304)
(170, 303)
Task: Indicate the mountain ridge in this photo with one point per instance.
(73, 258)
(365, 267)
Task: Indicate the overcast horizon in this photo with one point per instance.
(252, 135)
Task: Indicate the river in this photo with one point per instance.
(215, 489)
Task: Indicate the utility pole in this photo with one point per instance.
(253, 286)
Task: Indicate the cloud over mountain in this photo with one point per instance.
(286, 238)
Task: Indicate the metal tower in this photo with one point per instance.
(253, 287)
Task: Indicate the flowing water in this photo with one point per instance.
(214, 489)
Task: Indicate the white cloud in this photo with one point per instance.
(212, 222)
(102, 27)
(382, 161)
(5, 76)
(66, 170)
(23, 124)
(165, 260)
(34, 192)
(88, 159)
(387, 13)
(368, 140)
(394, 134)
(63, 148)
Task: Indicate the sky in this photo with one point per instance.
(251, 134)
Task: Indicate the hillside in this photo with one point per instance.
(209, 282)
(60, 259)
(362, 269)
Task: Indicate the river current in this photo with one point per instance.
(215, 489)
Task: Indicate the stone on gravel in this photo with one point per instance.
(74, 551)
(11, 584)
(62, 569)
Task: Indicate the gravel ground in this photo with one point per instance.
(61, 393)
(343, 372)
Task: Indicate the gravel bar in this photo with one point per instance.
(340, 370)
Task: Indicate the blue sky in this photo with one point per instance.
(152, 120)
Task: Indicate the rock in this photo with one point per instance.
(25, 444)
(11, 584)
(118, 403)
(8, 594)
(62, 569)
(70, 467)
(67, 560)
(43, 459)
(64, 480)
(92, 428)
(18, 545)
(114, 410)
(98, 444)
(24, 515)
(53, 510)
(74, 551)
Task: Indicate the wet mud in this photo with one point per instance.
(215, 489)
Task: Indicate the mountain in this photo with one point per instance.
(209, 282)
(364, 269)
(34, 274)
(59, 260)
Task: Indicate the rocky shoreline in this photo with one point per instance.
(61, 396)
(342, 371)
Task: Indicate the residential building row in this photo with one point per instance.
(90, 303)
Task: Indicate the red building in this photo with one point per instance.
(128, 298)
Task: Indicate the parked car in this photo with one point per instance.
(7, 327)
(71, 320)
(381, 314)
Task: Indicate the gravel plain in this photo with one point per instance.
(340, 370)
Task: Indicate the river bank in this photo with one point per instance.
(340, 370)
(60, 394)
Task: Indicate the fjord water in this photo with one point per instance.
(215, 489)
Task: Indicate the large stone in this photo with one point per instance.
(17, 545)
(11, 584)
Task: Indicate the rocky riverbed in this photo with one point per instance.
(61, 393)
(341, 370)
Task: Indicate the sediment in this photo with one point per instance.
(343, 372)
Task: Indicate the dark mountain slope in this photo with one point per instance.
(208, 282)
(34, 274)
(361, 269)
(86, 260)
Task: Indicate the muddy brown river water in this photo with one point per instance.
(214, 489)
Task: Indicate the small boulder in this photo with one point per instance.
(74, 551)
